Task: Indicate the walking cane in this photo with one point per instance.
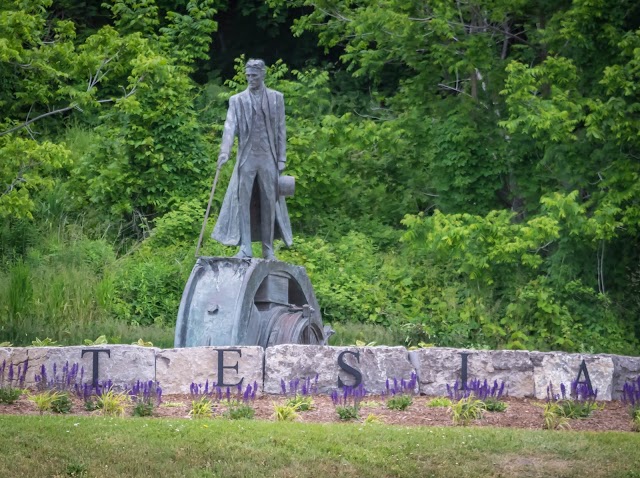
(206, 214)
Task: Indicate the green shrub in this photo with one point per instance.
(142, 409)
(148, 285)
(439, 402)
(347, 412)
(240, 411)
(61, 403)
(399, 402)
(9, 395)
(494, 405)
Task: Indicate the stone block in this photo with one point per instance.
(376, 364)
(438, 367)
(558, 367)
(16, 356)
(122, 364)
(625, 369)
(177, 369)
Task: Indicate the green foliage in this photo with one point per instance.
(554, 417)
(494, 405)
(439, 402)
(142, 409)
(61, 403)
(148, 285)
(284, 413)
(348, 412)
(99, 341)
(635, 419)
(9, 395)
(577, 408)
(46, 342)
(239, 411)
(399, 402)
(201, 408)
(301, 403)
(112, 403)
(372, 418)
(465, 410)
(44, 400)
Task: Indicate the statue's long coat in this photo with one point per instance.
(238, 123)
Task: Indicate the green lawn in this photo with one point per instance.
(40, 446)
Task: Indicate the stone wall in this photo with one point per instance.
(527, 374)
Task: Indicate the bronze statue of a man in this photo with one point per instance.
(253, 208)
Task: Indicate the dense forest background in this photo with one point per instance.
(467, 171)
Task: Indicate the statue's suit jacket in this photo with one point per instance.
(238, 123)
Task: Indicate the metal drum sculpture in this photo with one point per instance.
(230, 301)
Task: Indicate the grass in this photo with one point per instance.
(103, 447)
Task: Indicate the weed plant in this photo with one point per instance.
(284, 413)
(439, 402)
(61, 403)
(466, 409)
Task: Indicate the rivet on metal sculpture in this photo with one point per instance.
(241, 300)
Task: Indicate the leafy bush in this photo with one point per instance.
(148, 285)
(494, 405)
(9, 395)
(439, 402)
(143, 409)
(399, 402)
(240, 411)
(61, 403)
(347, 412)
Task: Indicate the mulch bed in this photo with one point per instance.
(520, 413)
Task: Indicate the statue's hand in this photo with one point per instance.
(281, 165)
(222, 158)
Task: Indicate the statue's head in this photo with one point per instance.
(255, 71)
